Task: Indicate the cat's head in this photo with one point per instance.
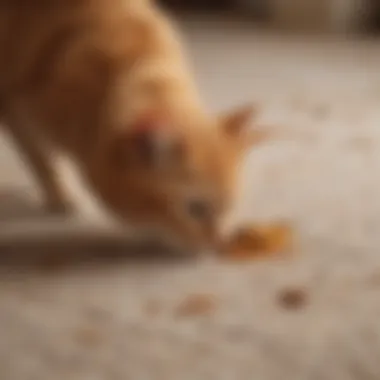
(176, 173)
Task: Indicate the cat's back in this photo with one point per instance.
(59, 59)
(31, 31)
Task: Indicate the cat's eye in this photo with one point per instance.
(199, 209)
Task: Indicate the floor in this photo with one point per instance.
(77, 303)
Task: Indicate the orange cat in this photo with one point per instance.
(105, 82)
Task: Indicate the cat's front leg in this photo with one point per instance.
(38, 159)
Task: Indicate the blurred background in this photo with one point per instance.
(335, 16)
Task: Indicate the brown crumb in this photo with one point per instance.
(96, 314)
(292, 299)
(196, 305)
(298, 103)
(89, 337)
(361, 143)
(152, 308)
(252, 242)
(321, 111)
(374, 279)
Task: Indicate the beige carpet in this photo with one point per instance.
(80, 306)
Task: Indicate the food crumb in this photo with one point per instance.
(374, 279)
(293, 298)
(196, 305)
(152, 308)
(321, 111)
(88, 336)
(361, 143)
(96, 314)
(253, 242)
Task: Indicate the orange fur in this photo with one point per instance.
(105, 82)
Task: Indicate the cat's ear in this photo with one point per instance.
(151, 147)
(237, 125)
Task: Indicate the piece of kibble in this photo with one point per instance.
(97, 314)
(255, 241)
(196, 305)
(152, 308)
(292, 299)
(89, 337)
(321, 111)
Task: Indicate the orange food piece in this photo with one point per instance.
(196, 305)
(256, 241)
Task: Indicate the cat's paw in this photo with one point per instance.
(60, 208)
